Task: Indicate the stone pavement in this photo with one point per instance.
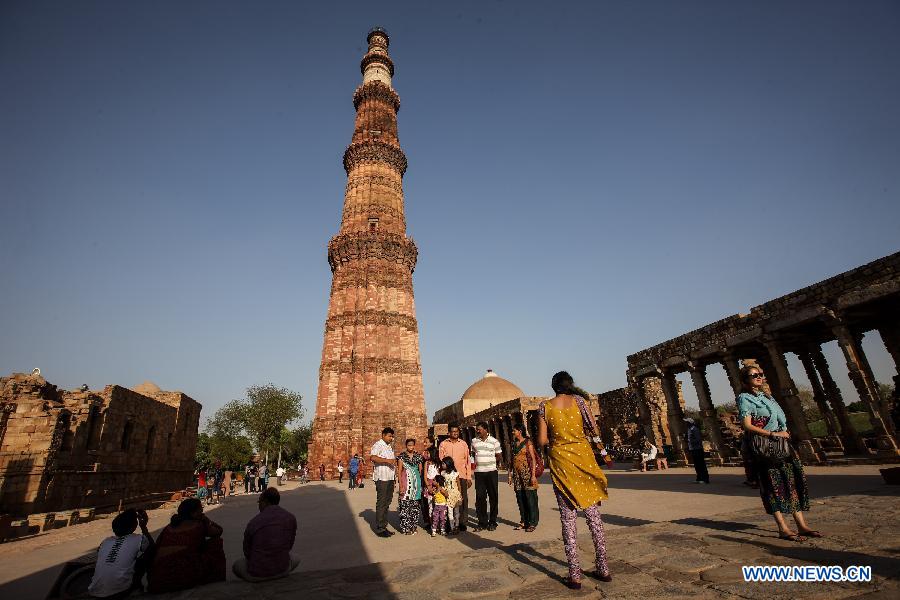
(689, 557)
(663, 531)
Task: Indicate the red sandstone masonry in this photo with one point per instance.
(370, 376)
(64, 450)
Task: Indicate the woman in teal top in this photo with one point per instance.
(782, 484)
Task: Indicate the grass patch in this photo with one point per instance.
(860, 420)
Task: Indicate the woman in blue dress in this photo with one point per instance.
(782, 483)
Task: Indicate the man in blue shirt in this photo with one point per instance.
(354, 469)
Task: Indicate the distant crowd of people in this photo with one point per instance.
(432, 491)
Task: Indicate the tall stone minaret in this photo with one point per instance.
(370, 376)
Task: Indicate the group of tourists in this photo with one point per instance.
(189, 551)
(256, 477)
(432, 487)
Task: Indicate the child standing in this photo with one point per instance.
(432, 470)
(454, 496)
(439, 506)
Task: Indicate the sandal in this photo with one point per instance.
(529, 529)
(810, 533)
(791, 537)
(572, 584)
(519, 526)
(607, 578)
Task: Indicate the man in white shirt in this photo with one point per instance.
(121, 562)
(279, 473)
(384, 461)
(487, 452)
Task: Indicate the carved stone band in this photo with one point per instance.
(376, 57)
(388, 182)
(372, 317)
(364, 278)
(372, 245)
(374, 151)
(374, 209)
(378, 90)
(371, 365)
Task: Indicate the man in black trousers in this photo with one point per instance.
(488, 453)
(384, 462)
(695, 446)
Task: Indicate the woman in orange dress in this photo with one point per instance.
(578, 482)
(189, 551)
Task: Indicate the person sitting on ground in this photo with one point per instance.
(122, 559)
(268, 540)
(189, 551)
(650, 452)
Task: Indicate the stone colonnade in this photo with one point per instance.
(842, 309)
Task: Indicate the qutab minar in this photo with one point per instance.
(370, 377)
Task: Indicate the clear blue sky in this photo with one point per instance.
(585, 180)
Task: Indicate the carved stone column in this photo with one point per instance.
(787, 394)
(865, 388)
(676, 416)
(645, 415)
(734, 372)
(507, 439)
(831, 423)
(890, 335)
(707, 410)
(883, 404)
(849, 435)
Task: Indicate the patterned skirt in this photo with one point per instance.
(409, 515)
(783, 487)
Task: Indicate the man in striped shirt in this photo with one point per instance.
(488, 453)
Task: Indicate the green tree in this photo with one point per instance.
(201, 458)
(259, 421)
(729, 407)
(295, 450)
(885, 392)
(227, 441)
(811, 410)
(267, 411)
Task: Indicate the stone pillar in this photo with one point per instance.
(819, 394)
(890, 335)
(645, 415)
(865, 388)
(734, 372)
(707, 410)
(849, 436)
(676, 417)
(508, 439)
(787, 394)
(883, 404)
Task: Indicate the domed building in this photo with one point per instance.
(488, 391)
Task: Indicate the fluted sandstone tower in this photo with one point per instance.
(370, 376)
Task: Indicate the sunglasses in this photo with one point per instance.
(758, 376)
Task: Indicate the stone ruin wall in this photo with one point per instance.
(624, 421)
(62, 450)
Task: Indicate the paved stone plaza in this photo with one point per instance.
(666, 537)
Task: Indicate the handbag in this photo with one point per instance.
(600, 455)
(770, 448)
(539, 463)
